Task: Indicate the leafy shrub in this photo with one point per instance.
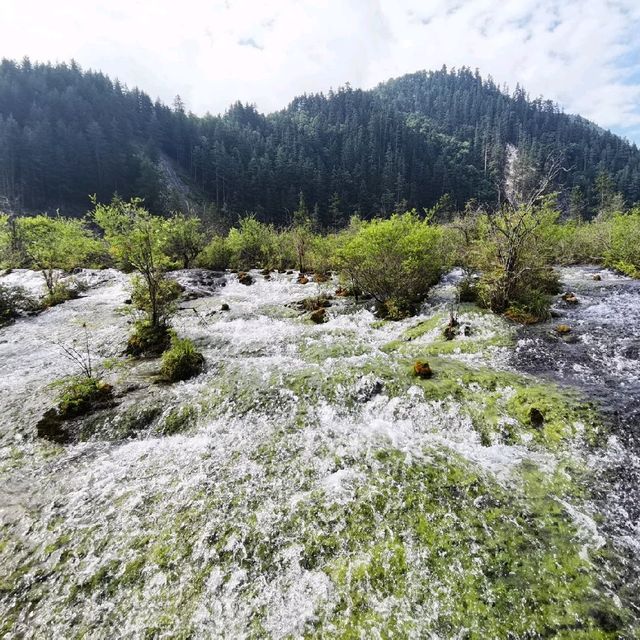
(395, 261)
(182, 361)
(623, 253)
(148, 339)
(251, 244)
(13, 301)
(166, 292)
(216, 255)
(514, 252)
(81, 394)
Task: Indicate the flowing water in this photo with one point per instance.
(306, 484)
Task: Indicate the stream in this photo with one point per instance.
(306, 484)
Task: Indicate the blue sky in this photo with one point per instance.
(584, 54)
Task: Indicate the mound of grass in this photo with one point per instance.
(182, 361)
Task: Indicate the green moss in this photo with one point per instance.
(182, 361)
(178, 420)
(472, 545)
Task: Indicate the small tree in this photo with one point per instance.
(137, 240)
(185, 239)
(53, 246)
(396, 261)
(302, 233)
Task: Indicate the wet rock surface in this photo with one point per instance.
(602, 359)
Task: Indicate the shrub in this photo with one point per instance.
(216, 255)
(13, 301)
(395, 261)
(81, 394)
(514, 253)
(184, 239)
(182, 361)
(148, 339)
(55, 245)
(251, 244)
(623, 253)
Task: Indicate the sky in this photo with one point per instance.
(584, 54)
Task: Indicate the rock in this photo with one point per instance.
(422, 369)
(319, 316)
(341, 292)
(536, 418)
(128, 301)
(570, 339)
(563, 329)
(467, 330)
(597, 277)
(320, 277)
(570, 298)
(265, 272)
(289, 273)
(267, 277)
(450, 332)
(245, 278)
(302, 279)
(224, 307)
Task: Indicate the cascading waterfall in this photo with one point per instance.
(307, 484)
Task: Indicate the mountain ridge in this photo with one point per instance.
(408, 142)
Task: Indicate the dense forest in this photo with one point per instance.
(66, 133)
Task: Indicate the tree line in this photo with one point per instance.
(430, 138)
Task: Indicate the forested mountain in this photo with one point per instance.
(66, 133)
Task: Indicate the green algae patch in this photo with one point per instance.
(508, 405)
(433, 547)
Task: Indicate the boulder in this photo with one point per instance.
(570, 298)
(563, 329)
(224, 307)
(422, 370)
(319, 316)
(536, 418)
(341, 292)
(597, 277)
(320, 277)
(245, 278)
(302, 279)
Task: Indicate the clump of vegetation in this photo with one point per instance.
(138, 240)
(623, 252)
(185, 239)
(54, 246)
(148, 340)
(396, 261)
(216, 255)
(80, 395)
(181, 361)
(14, 301)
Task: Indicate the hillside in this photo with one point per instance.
(66, 133)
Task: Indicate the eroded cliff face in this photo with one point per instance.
(307, 483)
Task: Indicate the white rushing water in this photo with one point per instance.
(225, 506)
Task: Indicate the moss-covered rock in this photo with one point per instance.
(181, 361)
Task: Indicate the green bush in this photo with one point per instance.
(216, 255)
(182, 361)
(623, 253)
(60, 293)
(148, 339)
(14, 301)
(396, 261)
(513, 250)
(79, 395)
(251, 244)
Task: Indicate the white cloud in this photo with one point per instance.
(584, 54)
